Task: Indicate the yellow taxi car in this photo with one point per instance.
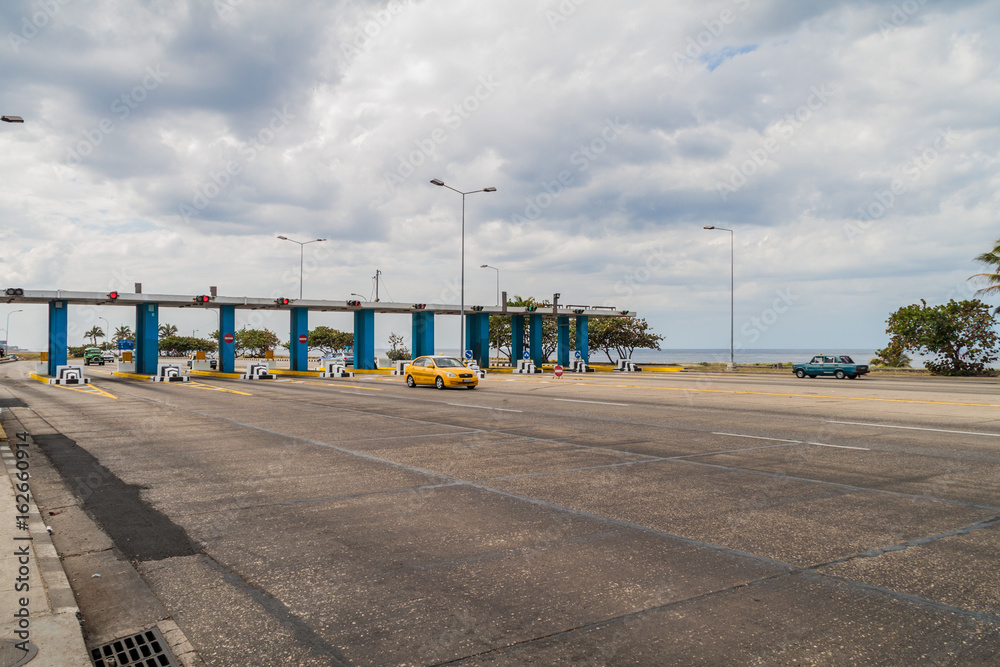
(441, 372)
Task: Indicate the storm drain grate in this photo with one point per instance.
(146, 649)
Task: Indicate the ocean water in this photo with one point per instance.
(746, 356)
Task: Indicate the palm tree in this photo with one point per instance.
(124, 332)
(94, 334)
(992, 280)
(167, 330)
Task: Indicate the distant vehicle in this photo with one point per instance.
(93, 355)
(839, 366)
(346, 359)
(441, 372)
(108, 356)
(208, 357)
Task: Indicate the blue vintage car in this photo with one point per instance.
(838, 365)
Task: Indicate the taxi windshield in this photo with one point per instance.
(448, 362)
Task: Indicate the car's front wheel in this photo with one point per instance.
(800, 373)
(839, 374)
(410, 382)
(439, 382)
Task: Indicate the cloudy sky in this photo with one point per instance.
(852, 147)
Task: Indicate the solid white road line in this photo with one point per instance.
(570, 400)
(482, 407)
(755, 437)
(917, 428)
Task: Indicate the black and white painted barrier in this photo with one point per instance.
(335, 369)
(474, 367)
(400, 366)
(169, 373)
(526, 366)
(257, 372)
(627, 366)
(579, 366)
(69, 375)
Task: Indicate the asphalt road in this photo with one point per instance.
(607, 519)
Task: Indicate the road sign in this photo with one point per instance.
(527, 354)
(303, 338)
(228, 338)
(126, 344)
(578, 355)
(558, 370)
(468, 354)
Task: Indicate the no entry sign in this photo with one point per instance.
(228, 338)
(303, 338)
(558, 370)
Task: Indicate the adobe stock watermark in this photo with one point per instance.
(642, 274)
(582, 158)
(222, 178)
(786, 128)
(122, 107)
(32, 25)
(885, 200)
(697, 46)
(453, 118)
(561, 12)
(755, 326)
(900, 16)
(366, 33)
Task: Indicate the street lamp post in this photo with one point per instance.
(440, 183)
(8, 325)
(732, 289)
(487, 266)
(302, 247)
(107, 327)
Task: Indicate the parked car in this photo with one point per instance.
(109, 357)
(441, 372)
(838, 365)
(93, 355)
(215, 362)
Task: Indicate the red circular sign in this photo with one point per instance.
(558, 370)
(303, 338)
(228, 338)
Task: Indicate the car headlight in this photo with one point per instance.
(450, 374)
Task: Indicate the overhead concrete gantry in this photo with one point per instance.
(147, 313)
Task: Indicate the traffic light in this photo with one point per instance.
(531, 309)
(112, 295)
(354, 303)
(282, 301)
(578, 311)
(625, 312)
(15, 291)
(477, 308)
(202, 299)
(420, 306)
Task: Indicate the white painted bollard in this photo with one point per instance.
(69, 375)
(474, 367)
(400, 366)
(257, 372)
(627, 366)
(336, 369)
(169, 373)
(525, 366)
(578, 366)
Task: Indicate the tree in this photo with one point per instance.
(992, 260)
(167, 330)
(623, 335)
(94, 334)
(960, 333)
(124, 332)
(186, 344)
(891, 356)
(328, 340)
(396, 350)
(255, 342)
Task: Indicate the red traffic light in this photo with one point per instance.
(282, 301)
(354, 303)
(420, 306)
(202, 299)
(112, 295)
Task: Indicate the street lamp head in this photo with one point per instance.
(484, 266)
(12, 119)
(706, 227)
(283, 238)
(320, 239)
(437, 181)
(489, 189)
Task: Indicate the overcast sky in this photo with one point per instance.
(852, 147)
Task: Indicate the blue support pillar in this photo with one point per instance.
(227, 351)
(582, 338)
(57, 335)
(147, 338)
(299, 346)
(562, 340)
(535, 339)
(516, 338)
(477, 337)
(364, 339)
(422, 333)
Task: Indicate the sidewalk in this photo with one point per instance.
(36, 602)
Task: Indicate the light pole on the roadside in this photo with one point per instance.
(8, 325)
(487, 266)
(438, 182)
(302, 246)
(732, 289)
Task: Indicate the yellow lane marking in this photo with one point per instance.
(88, 389)
(337, 386)
(198, 385)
